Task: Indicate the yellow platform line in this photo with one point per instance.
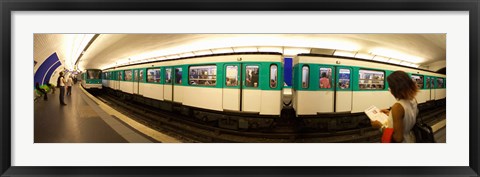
(439, 125)
(138, 126)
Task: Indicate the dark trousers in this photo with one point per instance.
(62, 94)
(69, 90)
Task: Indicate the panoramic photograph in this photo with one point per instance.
(239, 88)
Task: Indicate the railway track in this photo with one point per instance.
(192, 130)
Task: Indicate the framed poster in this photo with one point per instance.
(295, 161)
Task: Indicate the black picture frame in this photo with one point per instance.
(8, 6)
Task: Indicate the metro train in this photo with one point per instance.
(357, 84)
(244, 91)
(92, 78)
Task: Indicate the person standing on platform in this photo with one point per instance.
(61, 84)
(69, 85)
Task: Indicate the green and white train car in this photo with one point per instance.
(92, 78)
(238, 83)
(353, 85)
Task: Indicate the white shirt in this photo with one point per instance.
(69, 81)
(62, 81)
(409, 119)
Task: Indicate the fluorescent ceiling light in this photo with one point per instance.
(394, 61)
(344, 53)
(188, 54)
(245, 49)
(222, 50)
(295, 51)
(395, 54)
(270, 49)
(326, 43)
(380, 58)
(172, 57)
(414, 65)
(203, 52)
(364, 56)
(159, 58)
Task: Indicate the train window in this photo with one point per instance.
(128, 75)
(418, 80)
(432, 82)
(231, 76)
(168, 75)
(141, 75)
(371, 80)
(325, 78)
(153, 75)
(202, 75)
(135, 76)
(252, 76)
(428, 83)
(94, 74)
(273, 76)
(178, 75)
(305, 76)
(440, 83)
(344, 79)
(120, 73)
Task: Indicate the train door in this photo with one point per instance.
(427, 87)
(177, 94)
(135, 81)
(432, 90)
(119, 79)
(326, 88)
(343, 90)
(251, 94)
(168, 86)
(430, 86)
(139, 82)
(232, 87)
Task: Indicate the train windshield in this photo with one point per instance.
(94, 74)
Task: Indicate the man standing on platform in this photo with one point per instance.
(61, 84)
(69, 85)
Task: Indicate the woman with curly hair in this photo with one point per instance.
(403, 113)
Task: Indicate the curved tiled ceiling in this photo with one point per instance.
(109, 49)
